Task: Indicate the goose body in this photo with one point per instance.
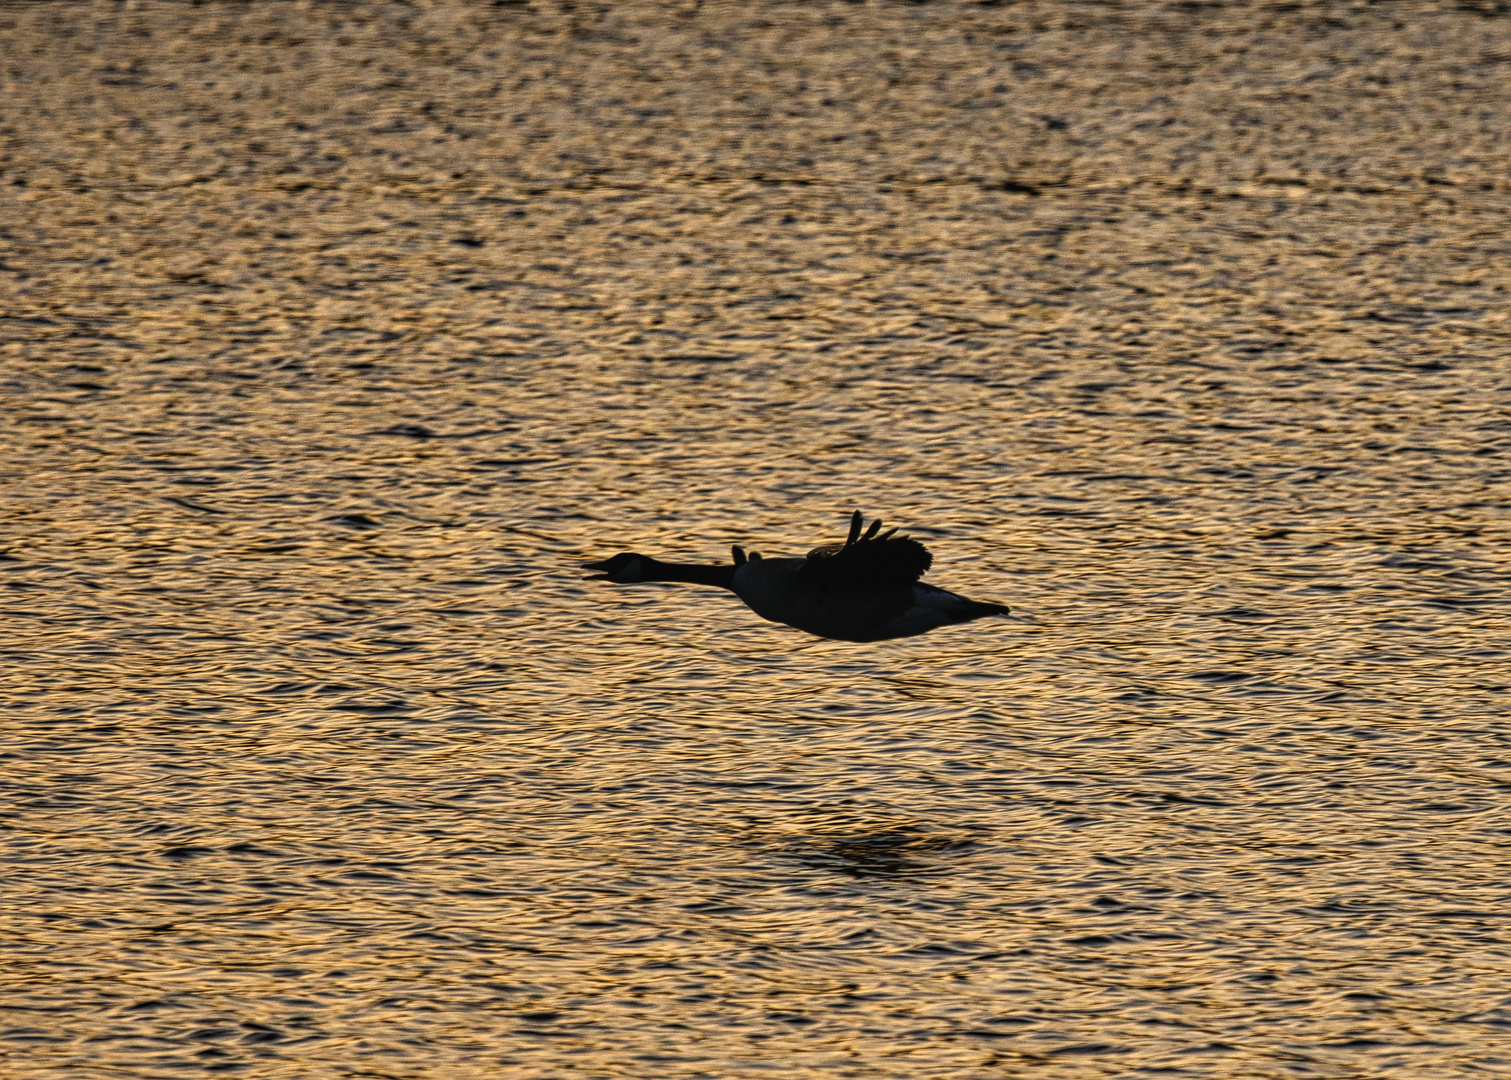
(866, 589)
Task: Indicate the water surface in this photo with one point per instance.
(335, 336)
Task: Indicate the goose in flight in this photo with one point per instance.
(866, 589)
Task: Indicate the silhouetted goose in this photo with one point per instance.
(866, 589)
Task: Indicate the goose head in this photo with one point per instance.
(626, 568)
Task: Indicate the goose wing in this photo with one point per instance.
(867, 559)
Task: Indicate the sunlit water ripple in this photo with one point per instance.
(335, 336)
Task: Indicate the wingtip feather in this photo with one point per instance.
(856, 521)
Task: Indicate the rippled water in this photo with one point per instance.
(335, 336)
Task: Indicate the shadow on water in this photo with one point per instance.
(864, 847)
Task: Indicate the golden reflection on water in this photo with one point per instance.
(335, 336)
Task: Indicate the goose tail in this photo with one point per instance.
(972, 610)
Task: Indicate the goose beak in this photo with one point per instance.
(596, 566)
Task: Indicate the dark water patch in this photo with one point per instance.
(1222, 678)
(407, 431)
(1242, 614)
(355, 521)
(373, 708)
(190, 504)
